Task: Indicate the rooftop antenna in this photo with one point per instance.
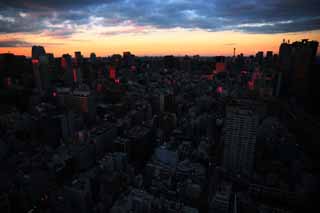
(234, 52)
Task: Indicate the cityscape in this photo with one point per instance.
(150, 129)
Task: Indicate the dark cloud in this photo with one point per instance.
(285, 27)
(14, 23)
(217, 15)
(14, 43)
(59, 33)
(253, 16)
(50, 4)
(22, 43)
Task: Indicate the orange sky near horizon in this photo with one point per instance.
(157, 42)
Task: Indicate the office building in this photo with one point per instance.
(239, 139)
(66, 65)
(295, 61)
(37, 51)
(93, 58)
(303, 56)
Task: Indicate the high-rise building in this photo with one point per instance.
(295, 61)
(240, 138)
(259, 57)
(269, 57)
(79, 58)
(128, 59)
(303, 56)
(93, 58)
(43, 66)
(37, 51)
(77, 67)
(83, 102)
(221, 200)
(47, 68)
(11, 67)
(66, 65)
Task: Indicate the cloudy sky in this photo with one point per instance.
(155, 27)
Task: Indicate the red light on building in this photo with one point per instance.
(220, 67)
(54, 94)
(64, 64)
(35, 61)
(75, 78)
(251, 85)
(117, 81)
(99, 87)
(112, 73)
(219, 89)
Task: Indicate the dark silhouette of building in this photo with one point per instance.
(295, 62)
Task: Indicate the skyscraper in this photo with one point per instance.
(66, 65)
(37, 51)
(303, 56)
(93, 58)
(45, 69)
(259, 57)
(239, 139)
(269, 57)
(77, 72)
(295, 61)
(128, 59)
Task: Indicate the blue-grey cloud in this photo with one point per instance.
(253, 16)
(14, 43)
(21, 43)
(50, 4)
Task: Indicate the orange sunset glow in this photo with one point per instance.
(160, 42)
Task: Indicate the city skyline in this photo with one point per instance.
(160, 134)
(177, 27)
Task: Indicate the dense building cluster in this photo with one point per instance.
(160, 134)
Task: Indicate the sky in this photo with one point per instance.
(155, 27)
